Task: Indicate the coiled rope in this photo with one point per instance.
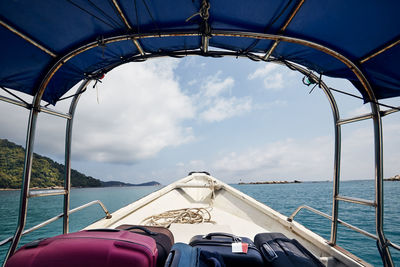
(183, 216)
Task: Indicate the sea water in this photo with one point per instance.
(284, 198)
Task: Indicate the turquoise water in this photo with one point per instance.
(284, 198)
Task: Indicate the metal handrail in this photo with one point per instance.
(42, 193)
(390, 111)
(350, 226)
(41, 108)
(355, 119)
(55, 218)
(356, 200)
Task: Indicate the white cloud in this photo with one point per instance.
(358, 152)
(391, 151)
(274, 81)
(312, 159)
(214, 101)
(215, 86)
(263, 71)
(192, 82)
(13, 121)
(271, 74)
(197, 164)
(141, 112)
(224, 108)
(288, 158)
(362, 110)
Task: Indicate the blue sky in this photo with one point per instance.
(238, 119)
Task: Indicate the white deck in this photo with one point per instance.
(231, 212)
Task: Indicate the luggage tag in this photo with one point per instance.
(239, 247)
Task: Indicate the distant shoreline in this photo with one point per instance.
(392, 179)
(9, 189)
(272, 182)
(395, 178)
(75, 187)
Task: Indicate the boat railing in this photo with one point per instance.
(59, 216)
(348, 225)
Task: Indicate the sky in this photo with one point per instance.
(237, 119)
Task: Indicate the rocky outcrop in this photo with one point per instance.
(394, 178)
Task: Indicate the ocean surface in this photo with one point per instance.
(284, 198)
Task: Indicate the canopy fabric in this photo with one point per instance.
(36, 37)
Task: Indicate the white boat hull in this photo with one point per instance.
(231, 211)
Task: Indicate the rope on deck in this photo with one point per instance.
(183, 216)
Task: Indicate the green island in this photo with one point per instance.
(46, 173)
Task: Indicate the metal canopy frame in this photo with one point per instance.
(376, 115)
(28, 39)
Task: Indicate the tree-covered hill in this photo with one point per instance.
(45, 171)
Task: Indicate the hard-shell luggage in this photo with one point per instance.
(236, 251)
(163, 237)
(183, 255)
(90, 248)
(278, 250)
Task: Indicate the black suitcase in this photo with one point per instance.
(221, 243)
(163, 237)
(183, 255)
(278, 250)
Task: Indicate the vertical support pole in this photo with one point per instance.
(378, 140)
(67, 182)
(336, 163)
(336, 182)
(30, 136)
(68, 139)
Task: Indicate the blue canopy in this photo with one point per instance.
(49, 46)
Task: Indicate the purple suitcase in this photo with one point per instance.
(97, 248)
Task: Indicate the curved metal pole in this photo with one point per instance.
(379, 209)
(336, 167)
(68, 139)
(337, 152)
(30, 137)
(336, 162)
(62, 60)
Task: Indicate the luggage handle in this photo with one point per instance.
(268, 252)
(234, 237)
(144, 229)
(170, 262)
(34, 243)
(103, 230)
